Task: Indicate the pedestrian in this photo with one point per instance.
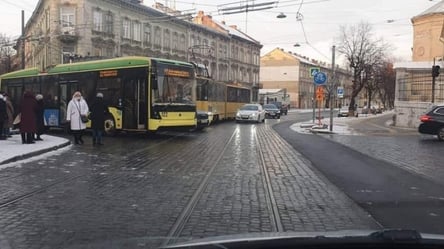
(28, 123)
(39, 117)
(10, 111)
(3, 116)
(98, 111)
(77, 107)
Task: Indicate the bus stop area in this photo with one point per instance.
(12, 149)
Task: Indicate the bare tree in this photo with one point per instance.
(386, 84)
(362, 52)
(6, 53)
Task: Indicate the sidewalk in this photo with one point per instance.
(341, 125)
(12, 149)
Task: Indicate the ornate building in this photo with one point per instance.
(61, 31)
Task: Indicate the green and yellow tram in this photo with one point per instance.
(143, 94)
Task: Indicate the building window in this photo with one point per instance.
(175, 41)
(136, 31)
(108, 23)
(157, 37)
(126, 29)
(97, 21)
(147, 34)
(67, 17)
(67, 54)
(166, 39)
(182, 44)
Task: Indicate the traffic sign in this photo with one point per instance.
(320, 78)
(313, 71)
(340, 92)
(320, 93)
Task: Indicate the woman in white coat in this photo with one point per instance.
(77, 106)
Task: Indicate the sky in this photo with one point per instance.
(321, 21)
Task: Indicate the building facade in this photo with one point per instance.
(286, 70)
(414, 78)
(69, 30)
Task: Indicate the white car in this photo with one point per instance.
(251, 112)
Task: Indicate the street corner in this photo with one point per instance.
(12, 149)
(340, 127)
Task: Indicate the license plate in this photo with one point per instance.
(204, 121)
(245, 116)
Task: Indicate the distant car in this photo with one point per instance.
(271, 111)
(433, 122)
(251, 112)
(343, 112)
(282, 107)
(202, 120)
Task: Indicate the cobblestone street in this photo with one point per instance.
(421, 154)
(143, 192)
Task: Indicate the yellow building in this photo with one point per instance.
(286, 70)
(428, 34)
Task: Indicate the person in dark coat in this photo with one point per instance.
(97, 116)
(10, 111)
(39, 116)
(3, 116)
(28, 122)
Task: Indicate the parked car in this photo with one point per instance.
(433, 122)
(251, 112)
(271, 111)
(343, 112)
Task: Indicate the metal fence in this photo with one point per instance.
(417, 86)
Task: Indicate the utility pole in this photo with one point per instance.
(23, 40)
(332, 86)
(435, 73)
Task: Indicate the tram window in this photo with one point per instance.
(111, 89)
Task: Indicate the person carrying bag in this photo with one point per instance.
(77, 116)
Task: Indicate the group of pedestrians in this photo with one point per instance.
(30, 118)
(78, 114)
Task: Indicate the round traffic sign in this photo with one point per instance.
(320, 78)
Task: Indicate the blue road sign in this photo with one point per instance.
(320, 78)
(313, 71)
(340, 91)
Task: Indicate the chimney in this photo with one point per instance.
(223, 22)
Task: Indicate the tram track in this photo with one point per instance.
(271, 204)
(22, 196)
(268, 188)
(29, 194)
(184, 216)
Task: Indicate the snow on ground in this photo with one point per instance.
(13, 147)
(340, 124)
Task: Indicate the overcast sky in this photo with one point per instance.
(321, 21)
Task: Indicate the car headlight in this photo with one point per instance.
(238, 114)
(254, 114)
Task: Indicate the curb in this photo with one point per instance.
(34, 153)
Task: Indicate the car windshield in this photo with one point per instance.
(145, 124)
(270, 106)
(249, 108)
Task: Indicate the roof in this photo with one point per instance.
(265, 91)
(437, 8)
(236, 32)
(416, 65)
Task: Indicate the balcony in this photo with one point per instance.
(68, 35)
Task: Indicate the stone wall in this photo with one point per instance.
(408, 113)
